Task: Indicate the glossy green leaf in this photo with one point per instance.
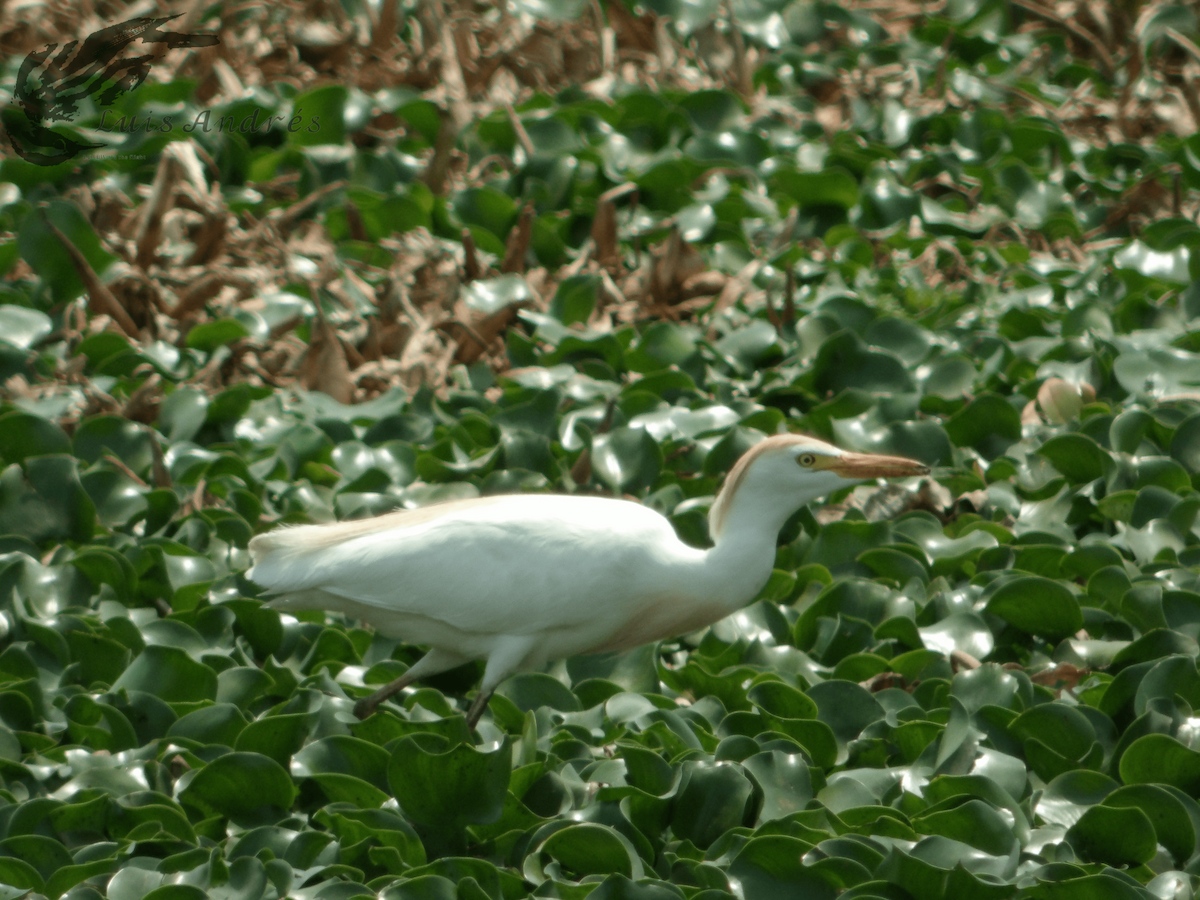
(1037, 605)
(246, 787)
(440, 785)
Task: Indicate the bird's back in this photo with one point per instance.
(512, 564)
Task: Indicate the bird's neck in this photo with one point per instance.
(740, 561)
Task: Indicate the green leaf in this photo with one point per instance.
(628, 460)
(208, 336)
(128, 441)
(844, 362)
(832, 187)
(712, 800)
(575, 298)
(1185, 444)
(1077, 456)
(784, 780)
(23, 327)
(1118, 836)
(23, 435)
(220, 723)
(486, 208)
(249, 788)
(989, 423)
(453, 786)
(319, 116)
(1158, 758)
(170, 674)
(771, 868)
(49, 259)
(345, 755)
(1037, 605)
(46, 501)
(588, 849)
(782, 700)
(1173, 826)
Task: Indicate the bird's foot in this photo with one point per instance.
(365, 707)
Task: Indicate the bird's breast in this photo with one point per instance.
(662, 617)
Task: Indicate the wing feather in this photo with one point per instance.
(517, 565)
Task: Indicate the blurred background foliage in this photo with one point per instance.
(591, 247)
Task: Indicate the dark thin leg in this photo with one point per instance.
(478, 705)
(430, 664)
(367, 705)
(506, 658)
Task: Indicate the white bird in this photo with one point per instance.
(521, 580)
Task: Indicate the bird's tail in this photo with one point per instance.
(311, 598)
(280, 558)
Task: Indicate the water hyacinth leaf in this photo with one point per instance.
(183, 414)
(1168, 266)
(1078, 457)
(845, 707)
(100, 659)
(1037, 605)
(974, 822)
(442, 785)
(220, 723)
(277, 736)
(967, 632)
(46, 501)
(770, 867)
(785, 781)
(1114, 835)
(886, 203)
(170, 674)
(342, 754)
(712, 110)
(249, 788)
(713, 799)
(23, 327)
(1059, 727)
(989, 423)
(486, 208)
(663, 344)
(23, 435)
(590, 849)
(128, 441)
(893, 564)
(782, 700)
(1160, 759)
(1173, 826)
(322, 111)
(575, 299)
(832, 187)
(1157, 373)
(532, 690)
(1185, 444)
(626, 459)
(492, 295)
(844, 362)
(43, 250)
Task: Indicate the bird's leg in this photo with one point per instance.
(507, 656)
(478, 705)
(430, 664)
(367, 705)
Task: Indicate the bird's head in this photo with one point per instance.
(779, 475)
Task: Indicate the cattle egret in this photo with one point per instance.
(524, 579)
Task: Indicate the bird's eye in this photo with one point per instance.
(806, 459)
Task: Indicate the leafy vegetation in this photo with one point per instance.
(584, 247)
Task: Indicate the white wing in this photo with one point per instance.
(522, 564)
